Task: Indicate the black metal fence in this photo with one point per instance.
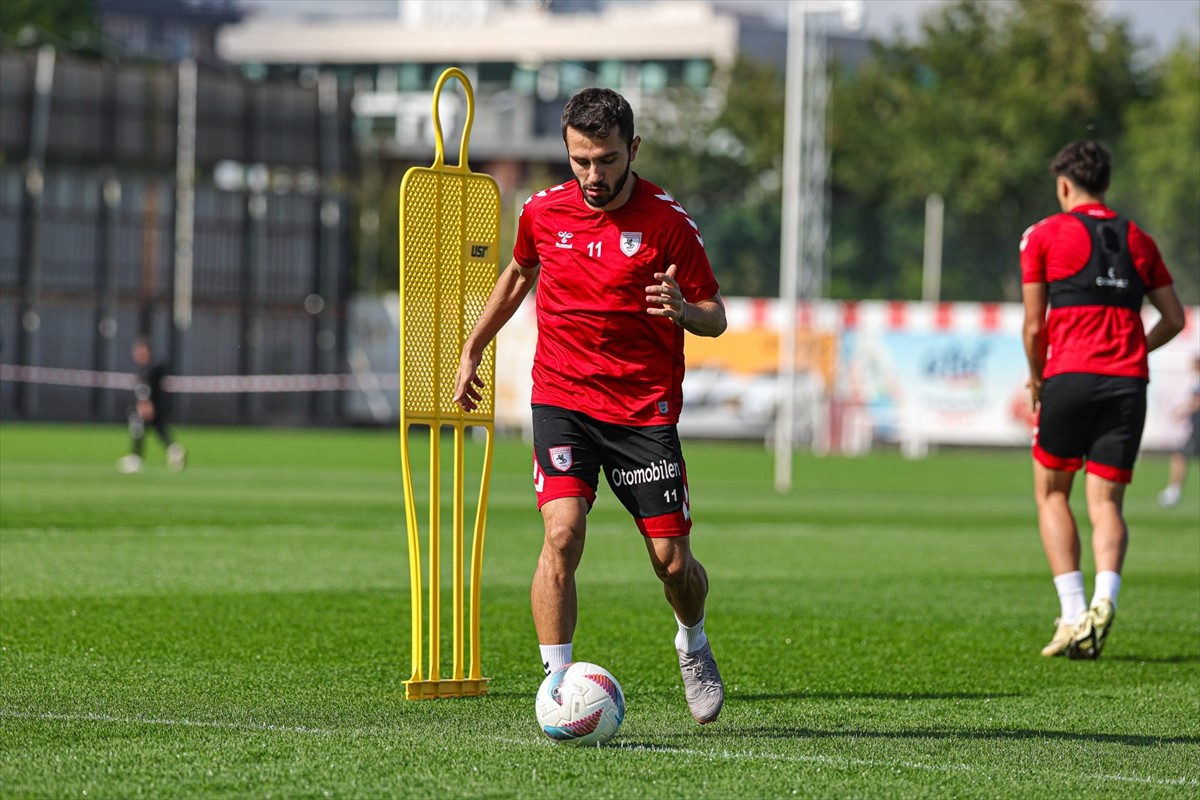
(207, 211)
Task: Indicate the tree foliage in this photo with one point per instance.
(722, 162)
(1161, 160)
(973, 112)
(67, 21)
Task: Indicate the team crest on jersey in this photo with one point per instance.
(630, 242)
(561, 458)
(663, 407)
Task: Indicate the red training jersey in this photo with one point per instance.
(598, 351)
(1097, 339)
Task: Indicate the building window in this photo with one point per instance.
(408, 77)
(609, 74)
(524, 80)
(697, 74)
(572, 76)
(496, 75)
(654, 76)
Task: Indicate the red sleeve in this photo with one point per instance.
(1054, 249)
(524, 250)
(1033, 254)
(1147, 259)
(693, 272)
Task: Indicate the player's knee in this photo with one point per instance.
(562, 540)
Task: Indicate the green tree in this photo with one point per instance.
(722, 162)
(63, 21)
(973, 112)
(1161, 174)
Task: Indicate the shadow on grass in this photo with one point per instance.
(743, 733)
(1184, 658)
(775, 732)
(898, 696)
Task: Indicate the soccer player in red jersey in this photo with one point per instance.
(621, 273)
(1085, 273)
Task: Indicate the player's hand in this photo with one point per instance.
(1035, 392)
(666, 298)
(467, 383)
(145, 410)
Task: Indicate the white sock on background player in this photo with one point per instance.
(1070, 595)
(1108, 583)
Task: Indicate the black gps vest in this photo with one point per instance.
(1109, 277)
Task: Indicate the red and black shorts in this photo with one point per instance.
(1097, 418)
(643, 465)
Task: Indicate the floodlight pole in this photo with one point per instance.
(790, 257)
(931, 276)
(185, 208)
(796, 211)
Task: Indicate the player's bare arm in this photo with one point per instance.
(1035, 296)
(703, 318)
(511, 287)
(1171, 316)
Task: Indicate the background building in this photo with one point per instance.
(171, 30)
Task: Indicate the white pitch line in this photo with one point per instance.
(185, 723)
(835, 761)
(750, 755)
(1186, 783)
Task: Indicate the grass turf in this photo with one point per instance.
(243, 630)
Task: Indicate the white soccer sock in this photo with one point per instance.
(1108, 583)
(1070, 595)
(689, 640)
(555, 656)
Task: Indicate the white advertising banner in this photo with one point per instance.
(913, 374)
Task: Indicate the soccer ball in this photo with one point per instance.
(580, 703)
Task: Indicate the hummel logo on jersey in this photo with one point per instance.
(666, 198)
(630, 242)
(564, 240)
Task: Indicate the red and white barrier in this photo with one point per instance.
(202, 384)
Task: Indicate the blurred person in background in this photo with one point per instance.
(621, 273)
(1178, 464)
(1085, 273)
(150, 406)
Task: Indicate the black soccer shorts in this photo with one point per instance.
(643, 464)
(1097, 418)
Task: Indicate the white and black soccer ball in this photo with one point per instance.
(580, 703)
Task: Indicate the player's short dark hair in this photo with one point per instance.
(1086, 163)
(594, 112)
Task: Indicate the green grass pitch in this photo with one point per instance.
(242, 630)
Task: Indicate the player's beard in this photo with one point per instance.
(602, 200)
